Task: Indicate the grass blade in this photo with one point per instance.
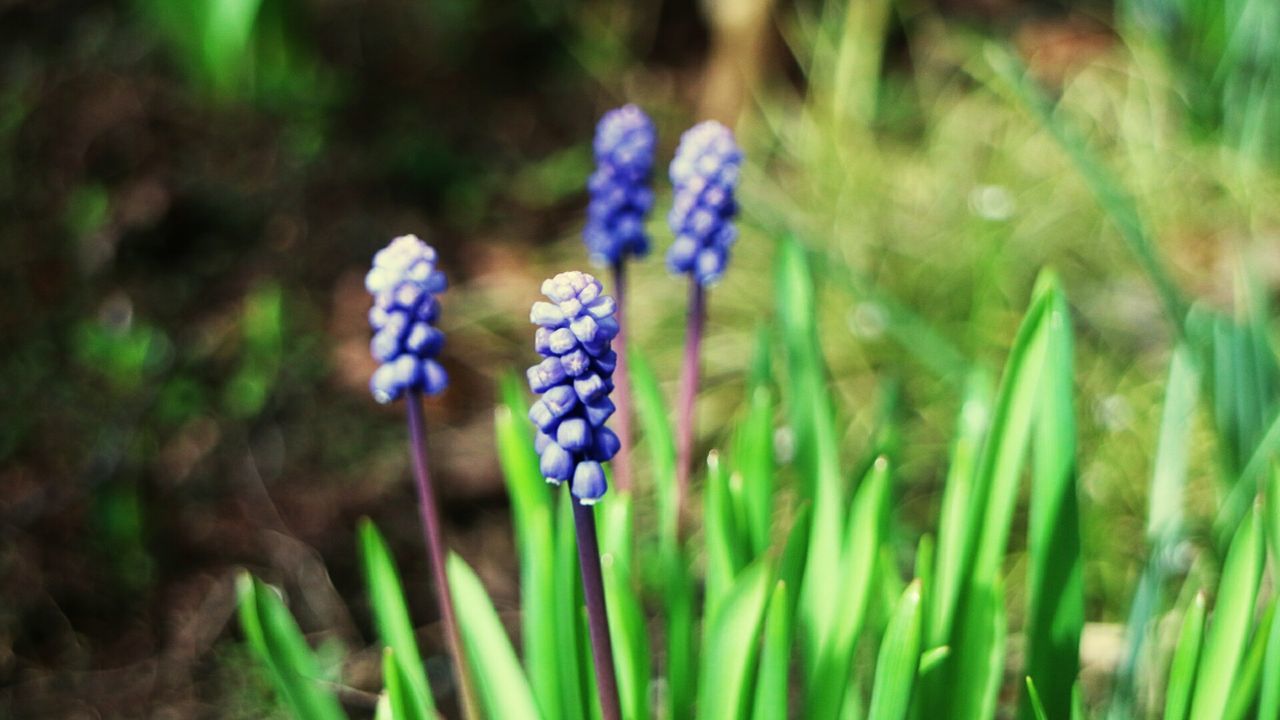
(956, 534)
(817, 455)
(1033, 697)
(1269, 703)
(775, 658)
(732, 646)
(1164, 519)
(1249, 679)
(402, 700)
(981, 648)
(504, 689)
(577, 682)
(1225, 640)
(1055, 612)
(753, 462)
(630, 638)
(276, 640)
(1182, 670)
(856, 571)
(391, 617)
(722, 565)
(534, 523)
(899, 659)
(652, 412)
(682, 648)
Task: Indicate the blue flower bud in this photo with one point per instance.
(704, 174)
(620, 187)
(574, 379)
(556, 463)
(588, 482)
(404, 282)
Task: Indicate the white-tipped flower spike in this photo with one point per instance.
(574, 379)
(404, 282)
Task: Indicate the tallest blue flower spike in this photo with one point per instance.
(574, 379)
(704, 174)
(620, 188)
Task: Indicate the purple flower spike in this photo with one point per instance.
(574, 380)
(620, 188)
(404, 282)
(704, 174)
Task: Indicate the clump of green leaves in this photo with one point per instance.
(765, 609)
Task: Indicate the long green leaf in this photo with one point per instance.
(817, 454)
(504, 689)
(1186, 655)
(1055, 607)
(722, 565)
(534, 521)
(1248, 681)
(1164, 519)
(752, 457)
(276, 640)
(576, 677)
(1228, 633)
(957, 535)
(981, 649)
(899, 659)
(682, 648)
(856, 572)
(1269, 702)
(775, 658)
(402, 700)
(391, 617)
(732, 646)
(658, 437)
(627, 628)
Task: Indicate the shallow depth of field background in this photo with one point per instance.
(190, 193)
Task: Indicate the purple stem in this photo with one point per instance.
(688, 392)
(432, 530)
(622, 384)
(584, 521)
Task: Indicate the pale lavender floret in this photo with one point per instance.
(574, 380)
(404, 282)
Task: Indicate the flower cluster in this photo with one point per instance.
(704, 173)
(404, 283)
(574, 380)
(620, 191)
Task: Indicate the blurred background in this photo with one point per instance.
(191, 192)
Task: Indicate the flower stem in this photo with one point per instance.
(621, 462)
(584, 521)
(688, 392)
(432, 530)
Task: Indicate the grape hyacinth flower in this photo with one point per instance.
(621, 187)
(704, 174)
(404, 282)
(574, 380)
(621, 198)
